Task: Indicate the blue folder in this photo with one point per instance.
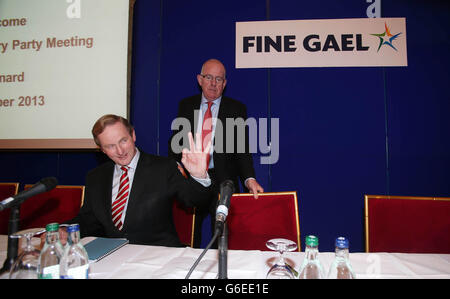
(101, 247)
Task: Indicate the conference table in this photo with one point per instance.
(148, 262)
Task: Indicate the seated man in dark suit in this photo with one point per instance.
(131, 196)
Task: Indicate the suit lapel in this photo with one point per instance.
(222, 117)
(223, 111)
(106, 193)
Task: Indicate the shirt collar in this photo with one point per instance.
(133, 163)
(215, 102)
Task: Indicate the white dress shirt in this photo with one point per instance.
(116, 180)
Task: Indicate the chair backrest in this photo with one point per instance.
(252, 222)
(6, 190)
(184, 220)
(57, 205)
(407, 224)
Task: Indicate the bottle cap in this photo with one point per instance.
(51, 227)
(312, 241)
(341, 242)
(73, 228)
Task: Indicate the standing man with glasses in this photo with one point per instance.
(207, 114)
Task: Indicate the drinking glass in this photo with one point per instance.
(280, 270)
(26, 264)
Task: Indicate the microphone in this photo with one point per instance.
(46, 184)
(226, 191)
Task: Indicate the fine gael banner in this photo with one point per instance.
(321, 43)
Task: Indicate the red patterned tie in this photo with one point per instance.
(119, 203)
(207, 130)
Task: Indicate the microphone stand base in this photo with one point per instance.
(13, 243)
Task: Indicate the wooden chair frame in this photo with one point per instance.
(193, 229)
(15, 185)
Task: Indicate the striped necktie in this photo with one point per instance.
(207, 131)
(121, 199)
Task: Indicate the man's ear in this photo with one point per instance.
(199, 80)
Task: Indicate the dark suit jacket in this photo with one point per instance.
(227, 165)
(148, 218)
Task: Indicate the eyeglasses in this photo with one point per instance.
(210, 77)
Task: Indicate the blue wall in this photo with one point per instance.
(344, 132)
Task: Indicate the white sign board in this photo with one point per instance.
(321, 43)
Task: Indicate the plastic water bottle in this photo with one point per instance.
(51, 253)
(311, 267)
(341, 268)
(75, 260)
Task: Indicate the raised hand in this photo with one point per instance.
(194, 159)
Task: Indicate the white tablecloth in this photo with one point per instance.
(137, 261)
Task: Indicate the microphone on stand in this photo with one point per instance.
(43, 185)
(46, 184)
(226, 191)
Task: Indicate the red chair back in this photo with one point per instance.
(57, 205)
(407, 224)
(252, 222)
(6, 190)
(184, 220)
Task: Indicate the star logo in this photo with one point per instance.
(386, 38)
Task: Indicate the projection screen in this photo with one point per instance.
(63, 64)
